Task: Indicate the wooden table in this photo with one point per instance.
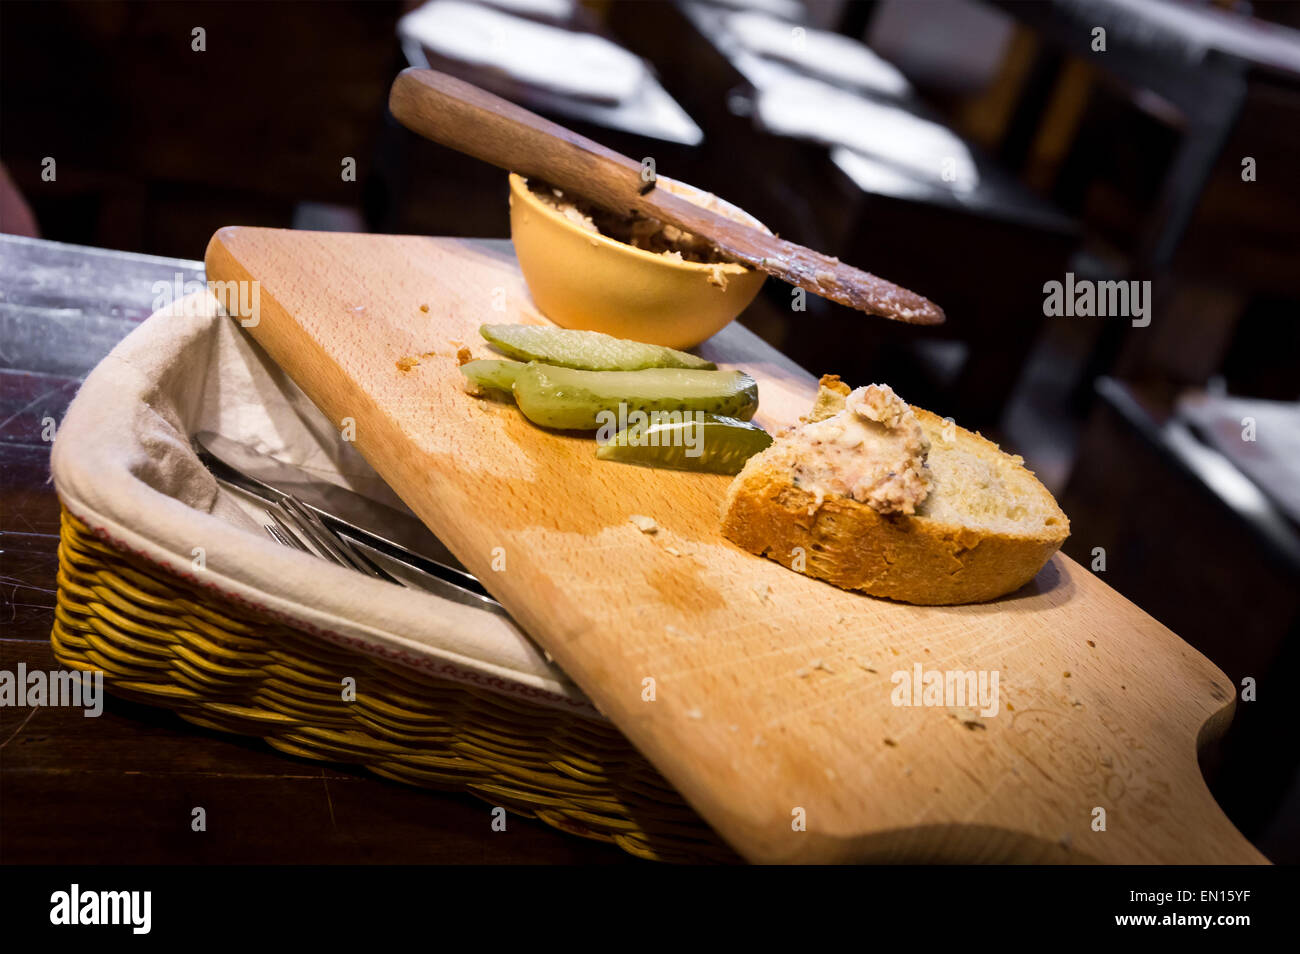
(120, 788)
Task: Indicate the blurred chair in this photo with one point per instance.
(830, 146)
(1167, 115)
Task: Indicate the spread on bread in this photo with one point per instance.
(872, 450)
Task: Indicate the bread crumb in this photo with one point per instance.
(406, 364)
(643, 523)
(967, 716)
(802, 672)
(463, 357)
(673, 550)
(694, 714)
(831, 392)
(718, 277)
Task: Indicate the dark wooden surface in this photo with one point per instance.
(120, 788)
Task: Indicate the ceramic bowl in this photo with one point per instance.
(582, 279)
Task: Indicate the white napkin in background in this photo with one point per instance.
(831, 56)
(872, 175)
(545, 57)
(550, 9)
(806, 108)
(122, 463)
(1272, 459)
(788, 9)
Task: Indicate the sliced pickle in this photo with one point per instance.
(711, 445)
(492, 374)
(568, 399)
(585, 350)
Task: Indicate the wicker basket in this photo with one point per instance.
(162, 641)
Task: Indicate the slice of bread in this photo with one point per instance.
(986, 528)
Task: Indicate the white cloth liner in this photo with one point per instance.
(123, 464)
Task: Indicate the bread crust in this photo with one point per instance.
(914, 559)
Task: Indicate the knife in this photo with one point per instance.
(397, 534)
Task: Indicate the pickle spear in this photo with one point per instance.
(492, 374)
(585, 350)
(569, 399)
(713, 445)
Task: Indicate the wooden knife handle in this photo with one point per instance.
(471, 120)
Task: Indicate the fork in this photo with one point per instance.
(292, 522)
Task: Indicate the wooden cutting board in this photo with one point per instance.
(772, 708)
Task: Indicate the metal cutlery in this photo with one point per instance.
(340, 526)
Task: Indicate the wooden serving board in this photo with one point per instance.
(772, 704)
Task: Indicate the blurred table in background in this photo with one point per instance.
(1161, 123)
(552, 56)
(556, 58)
(830, 146)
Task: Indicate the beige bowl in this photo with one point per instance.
(581, 279)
